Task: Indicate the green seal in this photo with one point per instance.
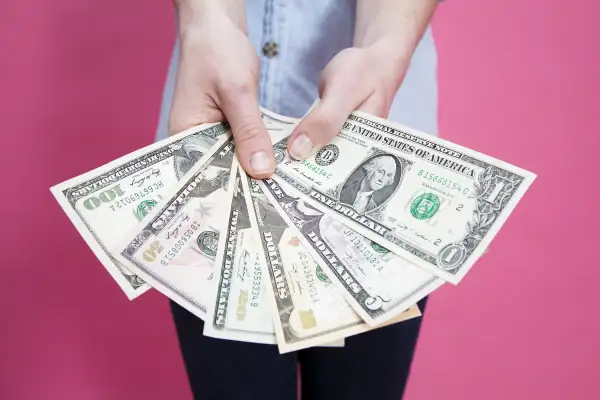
(208, 242)
(321, 275)
(379, 248)
(144, 208)
(425, 206)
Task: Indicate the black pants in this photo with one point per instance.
(371, 366)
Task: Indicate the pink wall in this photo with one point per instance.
(519, 81)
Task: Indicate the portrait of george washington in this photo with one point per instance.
(372, 183)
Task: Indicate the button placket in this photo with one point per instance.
(264, 95)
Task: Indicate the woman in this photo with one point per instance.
(376, 56)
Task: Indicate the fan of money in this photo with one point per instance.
(329, 247)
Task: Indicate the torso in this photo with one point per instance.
(295, 39)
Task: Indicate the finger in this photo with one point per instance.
(252, 141)
(339, 97)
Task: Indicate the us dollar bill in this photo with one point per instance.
(113, 198)
(175, 246)
(434, 203)
(308, 309)
(239, 309)
(274, 121)
(378, 284)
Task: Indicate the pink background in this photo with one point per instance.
(80, 84)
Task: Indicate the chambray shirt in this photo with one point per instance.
(295, 40)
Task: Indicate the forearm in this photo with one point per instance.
(396, 26)
(190, 11)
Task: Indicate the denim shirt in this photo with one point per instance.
(295, 39)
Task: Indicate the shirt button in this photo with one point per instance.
(270, 49)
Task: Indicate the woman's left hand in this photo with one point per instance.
(364, 79)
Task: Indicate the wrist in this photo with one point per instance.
(391, 57)
(392, 29)
(192, 14)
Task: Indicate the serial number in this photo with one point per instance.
(316, 169)
(309, 277)
(179, 244)
(129, 199)
(256, 285)
(443, 181)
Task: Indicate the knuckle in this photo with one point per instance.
(246, 132)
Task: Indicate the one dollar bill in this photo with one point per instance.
(110, 200)
(308, 309)
(432, 202)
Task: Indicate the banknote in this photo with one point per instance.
(239, 308)
(113, 198)
(434, 203)
(378, 284)
(307, 308)
(175, 246)
(274, 121)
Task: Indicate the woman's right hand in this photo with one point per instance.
(218, 77)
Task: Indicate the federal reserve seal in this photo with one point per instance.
(143, 209)
(327, 155)
(208, 242)
(425, 206)
(321, 275)
(379, 248)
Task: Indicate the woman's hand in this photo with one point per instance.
(367, 76)
(364, 79)
(218, 77)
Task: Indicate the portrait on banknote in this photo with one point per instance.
(190, 151)
(209, 185)
(305, 217)
(372, 183)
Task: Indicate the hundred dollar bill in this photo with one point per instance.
(174, 247)
(378, 284)
(109, 200)
(308, 309)
(432, 202)
(239, 309)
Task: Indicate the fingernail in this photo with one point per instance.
(301, 148)
(260, 162)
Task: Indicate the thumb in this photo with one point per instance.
(325, 119)
(252, 141)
